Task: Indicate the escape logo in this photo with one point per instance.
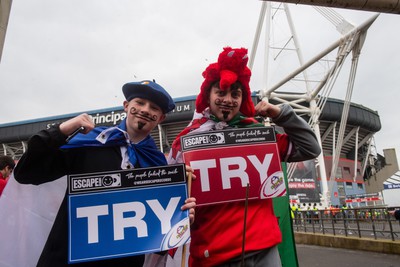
(203, 139)
(95, 182)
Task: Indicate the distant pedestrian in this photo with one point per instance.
(295, 213)
(315, 213)
(309, 213)
(334, 211)
(395, 213)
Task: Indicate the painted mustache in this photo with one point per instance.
(220, 103)
(145, 116)
(225, 113)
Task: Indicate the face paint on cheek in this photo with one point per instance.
(154, 118)
(218, 101)
(132, 111)
(235, 104)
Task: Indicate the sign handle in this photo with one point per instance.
(244, 224)
(183, 262)
(189, 183)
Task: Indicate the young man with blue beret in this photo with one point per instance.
(51, 155)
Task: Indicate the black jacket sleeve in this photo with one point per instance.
(397, 214)
(43, 161)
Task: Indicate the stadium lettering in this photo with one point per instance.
(180, 108)
(112, 117)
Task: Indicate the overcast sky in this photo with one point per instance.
(70, 56)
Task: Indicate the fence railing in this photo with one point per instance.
(374, 223)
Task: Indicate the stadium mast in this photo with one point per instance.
(315, 91)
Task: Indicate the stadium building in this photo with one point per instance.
(345, 129)
(305, 182)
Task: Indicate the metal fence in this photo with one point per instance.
(374, 223)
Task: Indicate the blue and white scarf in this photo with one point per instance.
(145, 153)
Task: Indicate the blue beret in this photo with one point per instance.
(151, 91)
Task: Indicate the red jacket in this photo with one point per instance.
(216, 234)
(218, 229)
(3, 183)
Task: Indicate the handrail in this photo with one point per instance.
(369, 222)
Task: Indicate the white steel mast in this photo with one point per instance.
(350, 42)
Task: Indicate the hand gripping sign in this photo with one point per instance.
(226, 161)
(126, 212)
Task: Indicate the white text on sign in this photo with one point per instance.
(230, 168)
(120, 222)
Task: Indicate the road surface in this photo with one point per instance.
(316, 256)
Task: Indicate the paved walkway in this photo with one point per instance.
(315, 256)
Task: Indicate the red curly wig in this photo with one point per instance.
(230, 68)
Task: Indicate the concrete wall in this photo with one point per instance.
(375, 183)
(355, 243)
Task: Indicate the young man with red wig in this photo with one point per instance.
(225, 102)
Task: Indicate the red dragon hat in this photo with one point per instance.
(231, 67)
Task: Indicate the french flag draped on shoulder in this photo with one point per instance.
(27, 213)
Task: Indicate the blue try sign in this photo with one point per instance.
(126, 213)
